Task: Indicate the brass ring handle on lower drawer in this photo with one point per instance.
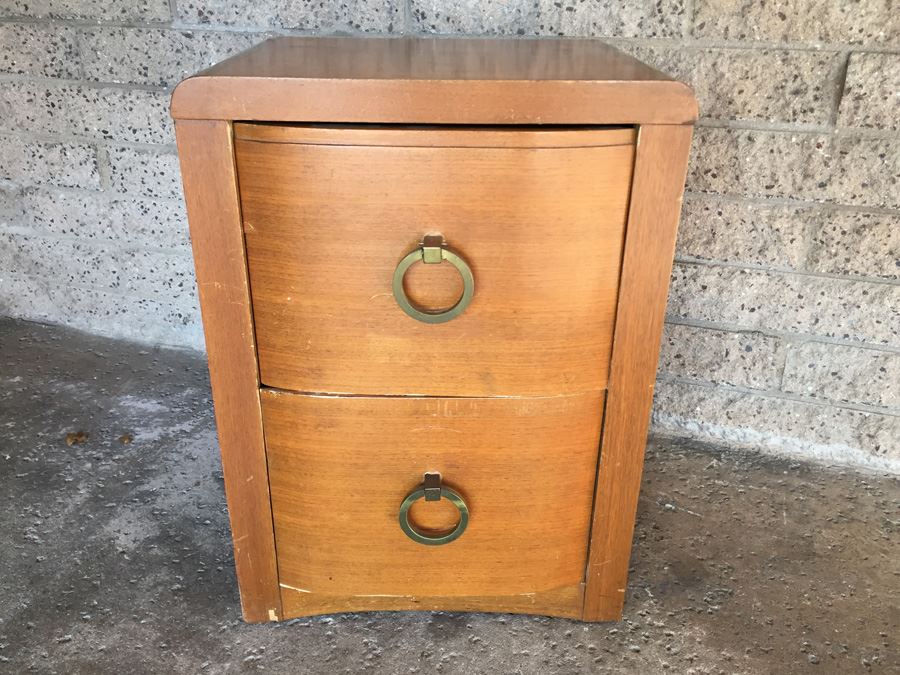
(432, 490)
(433, 250)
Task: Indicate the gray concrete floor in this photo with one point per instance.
(115, 558)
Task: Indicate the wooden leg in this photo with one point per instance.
(213, 207)
(660, 167)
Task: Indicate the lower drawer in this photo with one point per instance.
(339, 468)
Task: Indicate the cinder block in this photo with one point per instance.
(22, 297)
(842, 169)
(140, 319)
(157, 57)
(856, 243)
(872, 23)
(784, 302)
(101, 10)
(841, 373)
(121, 222)
(26, 162)
(33, 49)
(772, 85)
(355, 15)
(815, 237)
(478, 16)
(12, 209)
(133, 116)
(157, 276)
(612, 18)
(145, 172)
(713, 228)
(609, 18)
(872, 94)
(809, 429)
(742, 359)
(161, 277)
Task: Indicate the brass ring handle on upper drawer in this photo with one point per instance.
(433, 250)
(432, 490)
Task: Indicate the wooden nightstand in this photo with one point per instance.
(433, 274)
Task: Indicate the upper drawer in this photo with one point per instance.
(537, 216)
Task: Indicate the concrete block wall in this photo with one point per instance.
(784, 317)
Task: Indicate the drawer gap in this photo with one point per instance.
(330, 394)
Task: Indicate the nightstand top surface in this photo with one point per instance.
(416, 58)
(435, 80)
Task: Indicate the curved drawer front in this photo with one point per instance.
(340, 467)
(538, 217)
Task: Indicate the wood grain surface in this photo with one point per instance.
(414, 80)
(541, 227)
(207, 168)
(660, 168)
(339, 468)
(430, 136)
(563, 602)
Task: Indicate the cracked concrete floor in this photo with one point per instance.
(115, 557)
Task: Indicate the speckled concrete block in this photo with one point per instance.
(121, 54)
(841, 373)
(868, 22)
(145, 172)
(133, 116)
(38, 299)
(856, 243)
(716, 228)
(24, 297)
(357, 15)
(124, 222)
(768, 85)
(790, 303)
(872, 94)
(620, 18)
(45, 51)
(102, 10)
(826, 432)
(12, 208)
(139, 318)
(476, 16)
(613, 18)
(815, 167)
(815, 238)
(25, 162)
(161, 277)
(742, 359)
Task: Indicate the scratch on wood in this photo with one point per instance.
(294, 588)
(455, 431)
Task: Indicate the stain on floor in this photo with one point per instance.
(115, 557)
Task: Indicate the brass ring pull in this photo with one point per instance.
(433, 250)
(432, 490)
